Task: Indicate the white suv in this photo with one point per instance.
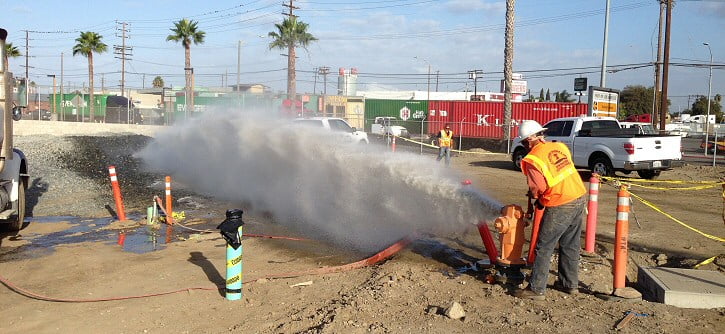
(335, 125)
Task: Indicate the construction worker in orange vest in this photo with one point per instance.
(445, 143)
(557, 187)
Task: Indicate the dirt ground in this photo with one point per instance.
(408, 293)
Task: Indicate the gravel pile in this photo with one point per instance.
(69, 174)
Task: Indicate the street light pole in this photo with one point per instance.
(54, 111)
(709, 91)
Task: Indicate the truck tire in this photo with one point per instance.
(16, 222)
(602, 166)
(517, 156)
(648, 174)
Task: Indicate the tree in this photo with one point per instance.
(563, 96)
(508, 60)
(541, 95)
(187, 32)
(636, 100)
(88, 43)
(699, 107)
(10, 52)
(158, 82)
(291, 34)
(548, 96)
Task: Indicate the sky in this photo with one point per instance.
(392, 43)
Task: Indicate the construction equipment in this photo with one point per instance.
(13, 166)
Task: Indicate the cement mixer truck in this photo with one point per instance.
(13, 166)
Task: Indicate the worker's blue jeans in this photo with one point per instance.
(444, 151)
(563, 225)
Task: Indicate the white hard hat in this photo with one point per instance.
(529, 127)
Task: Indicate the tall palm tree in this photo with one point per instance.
(187, 32)
(10, 52)
(291, 34)
(508, 59)
(88, 43)
(158, 82)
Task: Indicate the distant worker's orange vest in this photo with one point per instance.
(554, 161)
(445, 140)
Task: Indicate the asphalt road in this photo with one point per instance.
(694, 155)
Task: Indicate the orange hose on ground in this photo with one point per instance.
(380, 256)
(538, 213)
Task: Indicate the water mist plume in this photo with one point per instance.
(352, 194)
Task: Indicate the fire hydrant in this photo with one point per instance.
(511, 227)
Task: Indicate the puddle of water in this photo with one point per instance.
(137, 239)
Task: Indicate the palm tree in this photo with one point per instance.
(10, 52)
(508, 59)
(291, 34)
(158, 82)
(88, 43)
(186, 32)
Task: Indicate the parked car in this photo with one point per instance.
(641, 127)
(712, 145)
(383, 125)
(338, 125)
(602, 146)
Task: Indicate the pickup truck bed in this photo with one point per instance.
(599, 144)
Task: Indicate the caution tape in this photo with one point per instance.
(622, 179)
(653, 207)
(452, 150)
(708, 261)
(671, 188)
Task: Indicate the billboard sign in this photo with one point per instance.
(603, 102)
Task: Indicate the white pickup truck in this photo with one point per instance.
(602, 146)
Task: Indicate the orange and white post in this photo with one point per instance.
(592, 210)
(621, 239)
(169, 212)
(120, 211)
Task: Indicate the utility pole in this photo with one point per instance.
(291, 80)
(239, 62)
(603, 76)
(143, 81)
(27, 82)
(438, 72)
(314, 85)
(62, 114)
(658, 64)
(122, 52)
(103, 83)
(324, 70)
(666, 66)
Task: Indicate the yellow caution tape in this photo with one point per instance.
(671, 188)
(235, 261)
(178, 216)
(622, 179)
(234, 279)
(653, 207)
(708, 261)
(452, 150)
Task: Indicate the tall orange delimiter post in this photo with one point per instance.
(621, 237)
(169, 212)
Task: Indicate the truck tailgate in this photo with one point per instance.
(655, 148)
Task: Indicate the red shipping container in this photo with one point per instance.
(485, 119)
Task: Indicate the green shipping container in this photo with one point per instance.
(70, 107)
(250, 102)
(416, 111)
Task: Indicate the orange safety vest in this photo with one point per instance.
(554, 161)
(445, 140)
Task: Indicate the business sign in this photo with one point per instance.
(603, 102)
(517, 86)
(404, 113)
(580, 84)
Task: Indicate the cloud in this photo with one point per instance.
(459, 6)
(21, 10)
(716, 9)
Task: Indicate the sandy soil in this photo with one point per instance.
(408, 293)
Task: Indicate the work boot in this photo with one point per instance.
(529, 294)
(569, 291)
